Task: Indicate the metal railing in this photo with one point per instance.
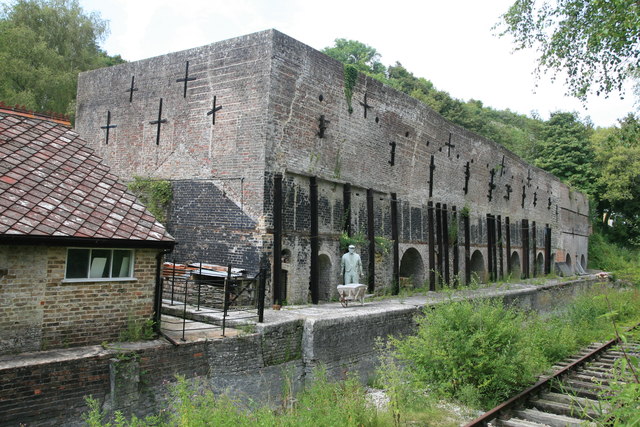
(198, 299)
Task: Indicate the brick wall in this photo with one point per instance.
(49, 388)
(38, 310)
(22, 290)
(356, 149)
(274, 91)
(211, 227)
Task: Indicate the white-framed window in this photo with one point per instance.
(99, 264)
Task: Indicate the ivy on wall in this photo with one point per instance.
(382, 244)
(155, 194)
(350, 79)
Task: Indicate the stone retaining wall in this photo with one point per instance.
(48, 388)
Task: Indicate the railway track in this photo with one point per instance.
(569, 397)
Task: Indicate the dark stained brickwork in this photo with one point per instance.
(230, 239)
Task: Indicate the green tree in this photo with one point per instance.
(364, 58)
(594, 41)
(44, 44)
(566, 151)
(618, 156)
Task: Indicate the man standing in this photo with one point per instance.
(351, 266)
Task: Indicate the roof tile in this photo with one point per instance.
(52, 184)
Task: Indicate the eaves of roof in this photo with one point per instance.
(35, 240)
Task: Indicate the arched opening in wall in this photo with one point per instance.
(477, 267)
(568, 260)
(285, 256)
(540, 264)
(411, 269)
(583, 262)
(325, 281)
(516, 268)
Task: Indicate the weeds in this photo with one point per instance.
(608, 256)
(473, 351)
(623, 397)
(138, 329)
(479, 352)
(324, 403)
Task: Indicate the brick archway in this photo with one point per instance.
(412, 267)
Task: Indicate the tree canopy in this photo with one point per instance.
(618, 161)
(596, 42)
(363, 57)
(565, 151)
(44, 44)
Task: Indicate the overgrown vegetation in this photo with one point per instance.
(359, 240)
(325, 403)
(155, 194)
(350, 79)
(623, 262)
(475, 352)
(624, 399)
(480, 353)
(136, 330)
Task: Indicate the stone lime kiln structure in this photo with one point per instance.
(275, 151)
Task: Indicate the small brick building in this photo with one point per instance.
(274, 154)
(78, 252)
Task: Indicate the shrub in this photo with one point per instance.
(480, 352)
(474, 351)
(156, 195)
(608, 256)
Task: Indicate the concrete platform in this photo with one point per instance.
(194, 331)
(517, 291)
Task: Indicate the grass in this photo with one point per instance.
(137, 330)
(324, 403)
(472, 352)
(480, 352)
(607, 256)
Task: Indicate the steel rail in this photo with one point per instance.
(484, 419)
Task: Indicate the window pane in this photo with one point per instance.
(121, 263)
(77, 263)
(100, 263)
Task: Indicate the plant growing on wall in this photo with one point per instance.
(338, 166)
(350, 79)
(383, 245)
(453, 231)
(156, 195)
(358, 240)
(464, 212)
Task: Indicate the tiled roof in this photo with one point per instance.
(52, 185)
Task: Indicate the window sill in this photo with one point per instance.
(98, 280)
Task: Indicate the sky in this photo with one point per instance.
(450, 43)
